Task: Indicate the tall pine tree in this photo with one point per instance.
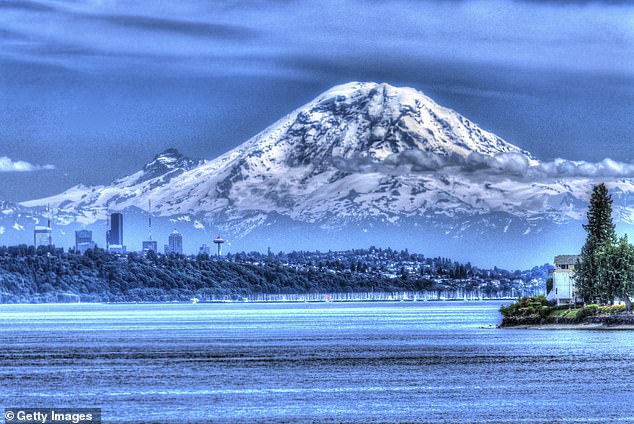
(601, 237)
(622, 266)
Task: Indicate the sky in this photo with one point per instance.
(92, 90)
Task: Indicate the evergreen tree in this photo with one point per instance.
(609, 270)
(601, 236)
(622, 268)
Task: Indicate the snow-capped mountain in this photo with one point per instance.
(302, 159)
(360, 156)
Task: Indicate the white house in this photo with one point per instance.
(564, 290)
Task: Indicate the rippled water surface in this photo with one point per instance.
(367, 362)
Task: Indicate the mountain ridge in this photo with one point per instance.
(361, 158)
(358, 122)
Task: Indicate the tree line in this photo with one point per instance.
(47, 274)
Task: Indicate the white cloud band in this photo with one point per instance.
(9, 165)
(511, 165)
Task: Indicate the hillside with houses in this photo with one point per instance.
(29, 275)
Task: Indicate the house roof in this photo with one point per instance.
(566, 259)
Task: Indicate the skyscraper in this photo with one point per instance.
(150, 245)
(83, 241)
(42, 236)
(115, 233)
(175, 242)
(114, 236)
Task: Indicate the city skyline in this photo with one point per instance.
(113, 240)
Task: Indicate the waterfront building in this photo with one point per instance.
(83, 241)
(564, 291)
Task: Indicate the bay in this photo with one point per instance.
(310, 362)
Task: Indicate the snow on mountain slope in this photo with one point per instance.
(90, 203)
(359, 152)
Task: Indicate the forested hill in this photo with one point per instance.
(53, 275)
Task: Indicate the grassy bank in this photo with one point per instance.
(532, 311)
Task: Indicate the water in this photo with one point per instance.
(367, 362)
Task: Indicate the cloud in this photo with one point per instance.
(26, 5)
(607, 168)
(179, 27)
(577, 2)
(9, 165)
(580, 35)
(416, 161)
(475, 165)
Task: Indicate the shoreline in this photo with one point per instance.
(596, 322)
(578, 326)
(209, 302)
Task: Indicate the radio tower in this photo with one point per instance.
(150, 244)
(149, 202)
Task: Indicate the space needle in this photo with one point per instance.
(219, 241)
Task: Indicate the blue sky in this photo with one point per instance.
(91, 90)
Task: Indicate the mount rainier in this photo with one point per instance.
(362, 164)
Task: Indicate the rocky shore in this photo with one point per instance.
(611, 322)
